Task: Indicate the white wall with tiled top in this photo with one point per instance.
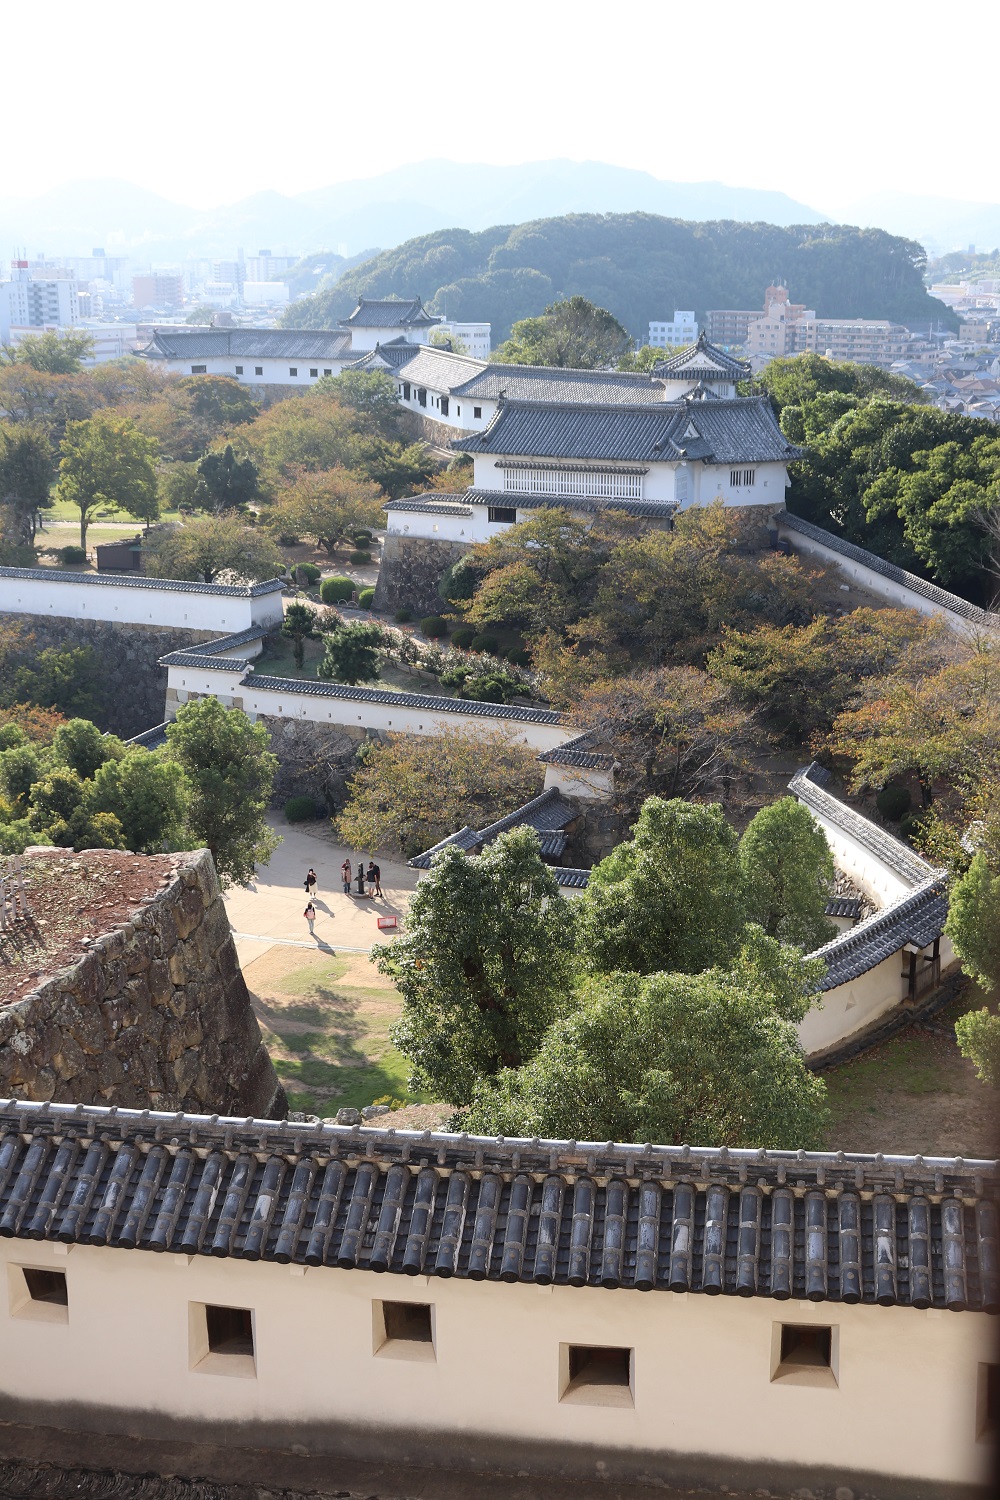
(124, 602)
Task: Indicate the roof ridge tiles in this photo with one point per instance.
(141, 581)
(432, 705)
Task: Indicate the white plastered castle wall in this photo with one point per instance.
(126, 603)
(906, 1384)
(244, 368)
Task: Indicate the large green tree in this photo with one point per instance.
(787, 872)
(52, 353)
(353, 652)
(574, 333)
(147, 794)
(669, 897)
(26, 475)
(230, 772)
(206, 546)
(673, 1058)
(484, 965)
(230, 482)
(107, 464)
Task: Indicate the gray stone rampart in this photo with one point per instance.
(154, 1014)
(412, 567)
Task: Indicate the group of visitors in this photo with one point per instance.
(370, 878)
(368, 882)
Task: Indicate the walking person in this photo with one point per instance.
(374, 878)
(311, 883)
(361, 877)
(345, 875)
(310, 916)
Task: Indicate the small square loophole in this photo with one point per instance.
(230, 1330)
(222, 1340)
(597, 1375)
(806, 1346)
(38, 1293)
(403, 1330)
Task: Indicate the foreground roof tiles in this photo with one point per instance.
(825, 1227)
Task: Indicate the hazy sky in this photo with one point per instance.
(206, 102)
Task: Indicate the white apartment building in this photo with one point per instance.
(475, 336)
(267, 267)
(265, 294)
(36, 302)
(682, 331)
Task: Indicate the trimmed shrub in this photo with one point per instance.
(893, 802)
(300, 809)
(308, 573)
(492, 687)
(910, 826)
(518, 656)
(70, 555)
(403, 616)
(434, 627)
(336, 590)
(487, 643)
(463, 636)
(285, 540)
(361, 538)
(366, 598)
(360, 558)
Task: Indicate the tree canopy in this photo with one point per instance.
(483, 966)
(672, 1057)
(787, 872)
(207, 546)
(107, 464)
(637, 264)
(573, 333)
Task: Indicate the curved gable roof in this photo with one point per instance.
(702, 361)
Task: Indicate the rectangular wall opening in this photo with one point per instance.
(222, 1340)
(596, 1375)
(38, 1293)
(804, 1353)
(403, 1330)
(988, 1403)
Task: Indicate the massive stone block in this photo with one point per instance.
(412, 567)
(153, 1013)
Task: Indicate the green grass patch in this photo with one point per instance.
(329, 1039)
(907, 1065)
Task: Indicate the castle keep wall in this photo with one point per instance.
(153, 1013)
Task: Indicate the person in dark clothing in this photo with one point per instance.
(311, 883)
(361, 877)
(374, 878)
(345, 875)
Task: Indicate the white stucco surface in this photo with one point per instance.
(902, 1400)
(45, 591)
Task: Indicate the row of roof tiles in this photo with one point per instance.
(137, 581)
(826, 1227)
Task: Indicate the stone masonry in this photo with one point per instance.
(412, 568)
(133, 684)
(152, 1014)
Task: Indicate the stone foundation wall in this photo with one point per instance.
(314, 760)
(133, 686)
(154, 1014)
(598, 828)
(412, 568)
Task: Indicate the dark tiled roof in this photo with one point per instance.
(395, 353)
(548, 814)
(702, 361)
(248, 343)
(844, 906)
(574, 880)
(930, 591)
(822, 1226)
(651, 510)
(207, 663)
(439, 368)
(150, 739)
(806, 784)
(399, 700)
(918, 917)
(547, 383)
(564, 756)
(136, 581)
(389, 312)
(437, 505)
(740, 429)
(229, 642)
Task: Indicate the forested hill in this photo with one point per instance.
(640, 266)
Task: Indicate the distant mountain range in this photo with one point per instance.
(351, 216)
(425, 196)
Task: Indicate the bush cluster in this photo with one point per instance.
(300, 809)
(336, 590)
(366, 598)
(434, 627)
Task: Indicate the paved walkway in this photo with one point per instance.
(269, 912)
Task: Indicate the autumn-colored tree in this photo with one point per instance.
(208, 546)
(413, 791)
(326, 504)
